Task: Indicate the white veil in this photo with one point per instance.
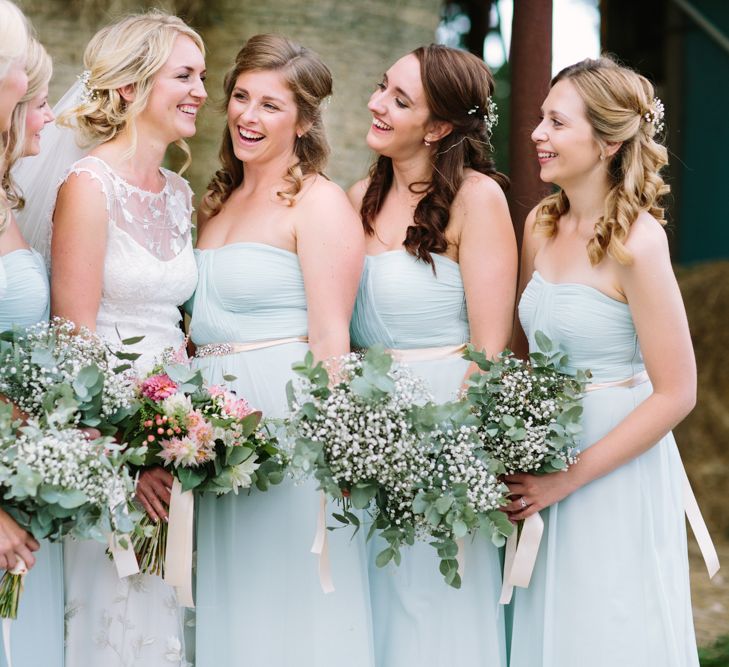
(39, 176)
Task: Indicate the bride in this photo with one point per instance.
(122, 263)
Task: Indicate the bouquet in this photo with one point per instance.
(51, 362)
(375, 440)
(207, 437)
(529, 421)
(55, 482)
(529, 412)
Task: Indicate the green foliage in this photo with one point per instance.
(440, 516)
(716, 655)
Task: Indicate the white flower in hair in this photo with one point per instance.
(655, 115)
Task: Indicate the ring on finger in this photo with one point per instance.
(523, 503)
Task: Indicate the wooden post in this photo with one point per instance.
(530, 61)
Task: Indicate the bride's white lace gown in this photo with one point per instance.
(149, 270)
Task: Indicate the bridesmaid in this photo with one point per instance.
(24, 300)
(279, 255)
(440, 271)
(122, 264)
(611, 582)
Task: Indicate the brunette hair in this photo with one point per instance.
(621, 107)
(310, 81)
(458, 87)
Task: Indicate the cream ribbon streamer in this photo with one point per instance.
(461, 557)
(22, 569)
(521, 554)
(124, 557)
(320, 547)
(178, 556)
(698, 525)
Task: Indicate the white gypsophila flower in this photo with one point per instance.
(50, 354)
(531, 400)
(67, 460)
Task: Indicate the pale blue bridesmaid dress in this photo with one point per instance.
(37, 634)
(611, 582)
(258, 596)
(420, 621)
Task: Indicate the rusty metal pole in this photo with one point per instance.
(530, 61)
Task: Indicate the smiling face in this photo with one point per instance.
(12, 88)
(262, 117)
(566, 146)
(177, 93)
(400, 116)
(37, 114)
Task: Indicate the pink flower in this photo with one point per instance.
(158, 387)
(193, 420)
(236, 407)
(216, 390)
(202, 433)
(179, 356)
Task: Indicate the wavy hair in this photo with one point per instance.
(458, 87)
(39, 68)
(619, 104)
(14, 35)
(310, 81)
(129, 52)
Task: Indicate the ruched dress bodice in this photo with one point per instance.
(610, 584)
(253, 292)
(595, 330)
(402, 304)
(24, 291)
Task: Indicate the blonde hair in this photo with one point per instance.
(14, 34)
(310, 81)
(129, 52)
(619, 104)
(39, 68)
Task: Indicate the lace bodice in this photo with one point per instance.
(149, 269)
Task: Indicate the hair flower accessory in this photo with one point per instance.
(87, 94)
(490, 118)
(655, 115)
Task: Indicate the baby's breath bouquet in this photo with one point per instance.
(52, 361)
(56, 482)
(529, 412)
(375, 440)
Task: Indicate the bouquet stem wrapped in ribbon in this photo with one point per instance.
(375, 440)
(529, 415)
(211, 441)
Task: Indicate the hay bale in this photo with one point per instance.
(703, 437)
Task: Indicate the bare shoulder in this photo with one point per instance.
(324, 194)
(357, 191)
(647, 238)
(479, 189)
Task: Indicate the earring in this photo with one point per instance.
(602, 156)
(426, 142)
